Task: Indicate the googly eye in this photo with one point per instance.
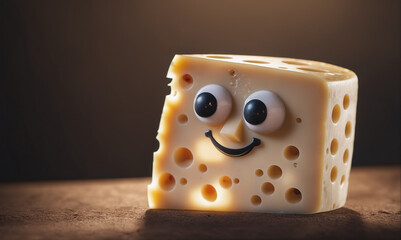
(264, 112)
(212, 104)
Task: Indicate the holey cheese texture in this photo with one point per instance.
(255, 134)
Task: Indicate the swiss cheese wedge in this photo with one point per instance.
(259, 134)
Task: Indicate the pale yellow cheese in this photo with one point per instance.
(303, 166)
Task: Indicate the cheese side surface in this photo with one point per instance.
(255, 134)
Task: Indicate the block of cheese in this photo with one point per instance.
(255, 134)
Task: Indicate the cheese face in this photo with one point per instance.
(257, 134)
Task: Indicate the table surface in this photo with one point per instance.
(117, 209)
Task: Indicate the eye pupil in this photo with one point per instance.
(205, 104)
(255, 112)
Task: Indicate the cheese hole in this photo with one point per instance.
(236, 180)
(255, 61)
(167, 181)
(202, 168)
(294, 62)
(182, 118)
(156, 144)
(232, 72)
(183, 157)
(183, 181)
(267, 188)
(225, 182)
(348, 129)
(345, 156)
(334, 146)
(327, 150)
(313, 70)
(291, 152)
(256, 200)
(219, 57)
(342, 179)
(295, 165)
(333, 174)
(259, 172)
(346, 101)
(274, 171)
(209, 193)
(298, 120)
(293, 195)
(186, 81)
(335, 115)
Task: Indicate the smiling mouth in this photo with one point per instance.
(239, 152)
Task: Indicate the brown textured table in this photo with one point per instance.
(117, 209)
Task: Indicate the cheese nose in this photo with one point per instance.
(232, 129)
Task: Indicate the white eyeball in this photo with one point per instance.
(212, 104)
(264, 112)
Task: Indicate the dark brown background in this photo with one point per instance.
(83, 82)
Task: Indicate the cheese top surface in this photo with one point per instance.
(250, 133)
(325, 71)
